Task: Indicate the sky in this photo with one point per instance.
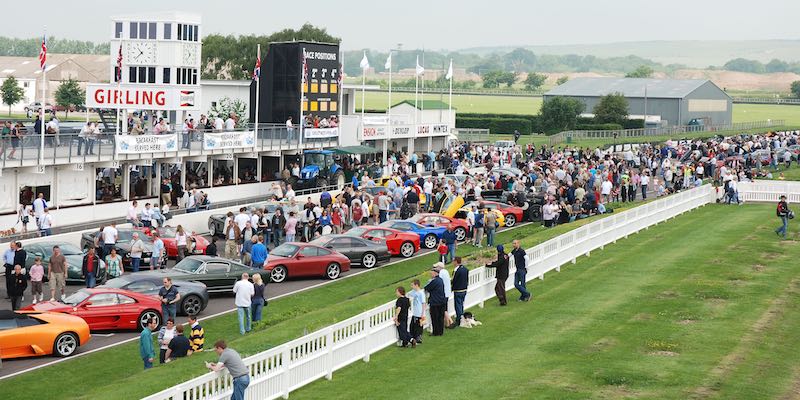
(442, 24)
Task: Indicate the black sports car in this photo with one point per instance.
(194, 295)
(72, 254)
(216, 222)
(218, 274)
(123, 246)
(363, 252)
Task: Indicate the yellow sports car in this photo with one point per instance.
(454, 207)
(26, 334)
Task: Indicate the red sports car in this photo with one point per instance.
(107, 308)
(512, 214)
(399, 243)
(303, 259)
(459, 225)
(167, 235)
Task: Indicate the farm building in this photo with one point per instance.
(677, 102)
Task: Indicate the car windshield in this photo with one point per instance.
(285, 250)
(116, 283)
(167, 231)
(321, 241)
(68, 250)
(317, 159)
(356, 232)
(77, 297)
(188, 265)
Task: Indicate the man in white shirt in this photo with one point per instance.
(147, 215)
(45, 223)
(289, 129)
(110, 235)
(52, 128)
(38, 207)
(132, 216)
(242, 218)
(289, 193)
(219, 124)
(605, 190)
(244, 293)
(645, 181)
(230, 123)
(427, 187)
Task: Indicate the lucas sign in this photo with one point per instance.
(140, 97)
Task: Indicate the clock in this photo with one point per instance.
(189, 55)
(143, 53)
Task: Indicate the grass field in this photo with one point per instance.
(117, 373)
(531, 105)
(705, 306)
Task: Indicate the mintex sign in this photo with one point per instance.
(140, 97)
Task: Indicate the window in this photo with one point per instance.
(103, 299)
(142, 74)
(142, 287)
(186, 76)
(167, 31)
(25, 84)
(195, 33)
(190, 34)
(118, 30)
(152, 31)
(166, 76)
(151, 74)
(125, 299)
(134, 31)
(309, 251)
(217, 268)
(185, 32)
(131, 74)
(142, 30)
(180, 31)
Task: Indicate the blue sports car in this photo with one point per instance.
(429, 235)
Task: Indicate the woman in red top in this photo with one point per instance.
(336, 219)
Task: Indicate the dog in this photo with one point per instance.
(468, 320)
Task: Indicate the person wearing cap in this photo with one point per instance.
(436, 299)
(501, 275)
(459, 285)
(783, 213)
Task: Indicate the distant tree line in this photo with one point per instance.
(757, 67)
(30, 47)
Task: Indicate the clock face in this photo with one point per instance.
(141, 53)
(189, 55)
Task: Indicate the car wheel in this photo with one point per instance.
(340, 181)
(430, 241)
(146, 315)
(407, 249)
(461, 234)
(212, 230)
(511, 220)
(333, 271)
(369, 260)
(278, 274)
(191, 305)
(65, 345)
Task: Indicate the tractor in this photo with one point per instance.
(319, 170)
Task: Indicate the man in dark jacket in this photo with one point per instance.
(20, 256)
(278, 223)
(436, 299)
(449, 238)
(501, 275)
(521, 264)
(460, 283)
(783, 214)
(18, 285)
(90, 268)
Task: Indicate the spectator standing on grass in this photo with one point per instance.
(783, 213)
(230, 359)
(137, 249)
(244, 296)
(448, 293)
(450, 239)
(257, 303)
(18, 285)
(90, 268)
(479, 227)
(37, 276)
(460, 284)
(401, 317)
(165, 335)
(57, 273)
(169, 297)
(521, 264)
(436, 300)
(146, 351)
(197, 335)
(417, 298)
(501, 274)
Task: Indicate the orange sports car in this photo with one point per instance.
(26, 334)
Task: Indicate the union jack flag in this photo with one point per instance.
(119, 64)
(257, 69)
(305, 69)
(43, 53)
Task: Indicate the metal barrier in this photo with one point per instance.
(766, 100)
(472, 134)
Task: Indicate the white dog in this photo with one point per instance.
(468, 321)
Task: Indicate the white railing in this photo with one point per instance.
(769, 191)
(282, 369)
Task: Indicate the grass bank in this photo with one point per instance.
(704, 307)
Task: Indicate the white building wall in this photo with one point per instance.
(28, 95)
(214, 91)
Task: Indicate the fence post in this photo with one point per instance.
(285, 362)
(329, 357)
(366, 332)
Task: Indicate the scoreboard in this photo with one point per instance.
(283, 93)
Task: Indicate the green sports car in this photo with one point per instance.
(72, 253)
(217, 273)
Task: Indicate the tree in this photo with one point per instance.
(491, 79)
(612, 109)
(69, 94)
(560, 114)
(643, 71)
(562, 80)
(744, 65)
(534, 81)
(225, 106)
(795, 88)
(776, 65)
(11, 92)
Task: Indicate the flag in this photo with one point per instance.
(305, 68)
(340, 76)
(388, 62)
(420, 69)
(43, 53)
(449, 75)
(364, 62)
(257, 69)
(119, 63)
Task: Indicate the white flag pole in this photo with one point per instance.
(258, 96)
(44, 104)
(422, 104)
(389, 109)
(416, 92)
(450, 97)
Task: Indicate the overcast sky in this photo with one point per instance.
(439, 24)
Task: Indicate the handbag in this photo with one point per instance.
(790, 215)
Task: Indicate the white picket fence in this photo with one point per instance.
(278, 371)
(769, 191)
